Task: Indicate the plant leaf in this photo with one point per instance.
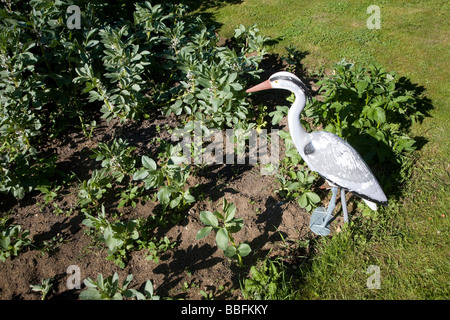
(361, 86)
(302, 200)
(90, 294)
(230, 212)
(149, 288)
(141, 174)
(164, 195)
(379, 115)
(313, 197)
(230, 252)
(222, 238)
(243, 249)
(203, 232)
(209, 219)
(148, 163)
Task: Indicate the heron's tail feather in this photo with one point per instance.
(371, 204)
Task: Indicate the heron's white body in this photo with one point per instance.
(326, 153)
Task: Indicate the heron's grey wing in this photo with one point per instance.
(337, 161)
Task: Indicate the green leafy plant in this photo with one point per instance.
(51, 196)
(278, 114)
(123, 237)
(169, 180)
(298, 185)
(373, 109)
(48, 195)
(155, 58)
(109, 289)
(34, 80)
(149, 174)
(295, 179)
(51, 245)
(224, 230)
(116, 158)
(156, 247)
(124, 63)
(148, 293)
(18, 124)
(260, 120)
(211, 85)
(87, 128)
(44, 287)
(130, 196)
(105, 289)
(268, 281)
(12, 239)
(120, 237)
(93, 189)
(188, 54)
(250, 40)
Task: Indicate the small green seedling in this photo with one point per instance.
(92, 190)
(130, 195)
(295, 179)
(44, 288)
(156, 247)
(147, 295)
(109, 289)
(119, 236)
(116, 158)
(105, 289)
(207, 296)
(12, 240)
(48, 195)
(224, 231)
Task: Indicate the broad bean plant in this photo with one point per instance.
(158, 58)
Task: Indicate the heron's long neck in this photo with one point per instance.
(298, 134)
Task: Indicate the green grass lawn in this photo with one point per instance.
(409, 241)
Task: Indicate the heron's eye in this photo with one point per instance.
(276, 81)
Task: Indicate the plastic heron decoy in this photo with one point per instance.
(328, 154)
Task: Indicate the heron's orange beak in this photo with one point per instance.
(262, 86)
